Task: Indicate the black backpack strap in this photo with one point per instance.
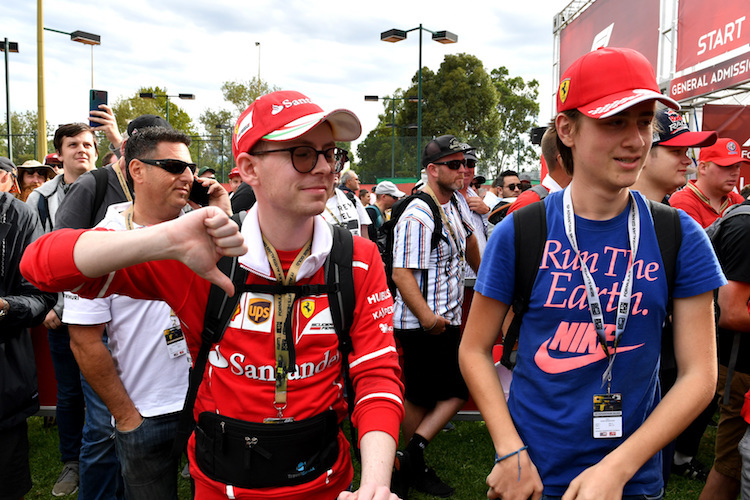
(530, 224)
(341, 301)
(100, 175)
(669, 237)
(219, 310)
(540, 190)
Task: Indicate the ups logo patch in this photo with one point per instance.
(258, 310)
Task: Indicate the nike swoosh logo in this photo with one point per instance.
(554, 365)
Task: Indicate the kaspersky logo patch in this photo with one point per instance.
(575, 345)
(562, 93)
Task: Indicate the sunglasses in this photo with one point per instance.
(170, 165)
(453, 164)
(38, 171)
(513, 187)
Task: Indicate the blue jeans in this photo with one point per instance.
(100, 477)
(70, 406)
(148, 466)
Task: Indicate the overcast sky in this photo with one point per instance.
(327, 49)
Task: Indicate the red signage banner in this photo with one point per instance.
(612, 23)
(731, 121)
(708, 29)
(718, 77)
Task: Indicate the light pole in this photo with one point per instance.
(257, 44)
(396, 35)
(8, 47)
(222, 127)
(374, 98)
(151, 95)
(76, 36)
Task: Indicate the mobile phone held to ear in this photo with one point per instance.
(96, 97)
(199, 194)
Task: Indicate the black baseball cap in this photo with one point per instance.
(671, 129)
(443, 146)
(145, 121)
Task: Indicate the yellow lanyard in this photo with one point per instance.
(283, 310)
(123, 182)
(446, 222)
(128, 214)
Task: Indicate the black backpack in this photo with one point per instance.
(339, 285)
(388, 230)
(714, 234)
(530, 224)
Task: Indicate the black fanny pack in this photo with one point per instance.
(252, 455)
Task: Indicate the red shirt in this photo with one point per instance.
(697, 205)
(526, 198)
(239, 382)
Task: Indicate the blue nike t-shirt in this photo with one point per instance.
(560, 362)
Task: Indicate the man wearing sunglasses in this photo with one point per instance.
(144, 379)
(427, 310)
(284, 146)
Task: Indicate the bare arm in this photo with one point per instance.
(733, 299)
(378, 451)
(478, 369)
(412, 295)
(197, 239)
(695, 351)
(472, 253)
(98, 367)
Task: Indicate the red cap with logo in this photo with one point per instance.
(235, 172)
(285, 115)
(724, 152)
(608, 80)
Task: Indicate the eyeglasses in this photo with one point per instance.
(170, 165)
(513, 187)
(453, 164)
(304, 158)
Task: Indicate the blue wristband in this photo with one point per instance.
(517, 452)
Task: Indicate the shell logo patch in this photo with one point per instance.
(307, 307)
(564, 89)
(258, 310)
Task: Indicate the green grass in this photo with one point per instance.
(461, 458)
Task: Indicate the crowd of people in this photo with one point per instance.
(292, 321)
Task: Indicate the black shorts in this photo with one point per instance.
(15, 474)
(431, 372)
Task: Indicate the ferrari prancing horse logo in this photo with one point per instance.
(563, 92)
(307, 307)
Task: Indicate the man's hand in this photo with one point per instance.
(128, 422)
(588, 485)
(368, 492)
(52, 321)
(477, 205)
(106, 118)
(504, 479)
(438, 325)
(217, 195)
(200, 238)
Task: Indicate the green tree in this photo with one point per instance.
(241, 94)
(128, 108)
(459, 99)
(518, 109)
(23, 137)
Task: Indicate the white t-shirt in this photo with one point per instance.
(491, 199)
(341, 211)
(154, 374)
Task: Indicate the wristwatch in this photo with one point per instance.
(4, 309)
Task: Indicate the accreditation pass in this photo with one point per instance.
(607, 420)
